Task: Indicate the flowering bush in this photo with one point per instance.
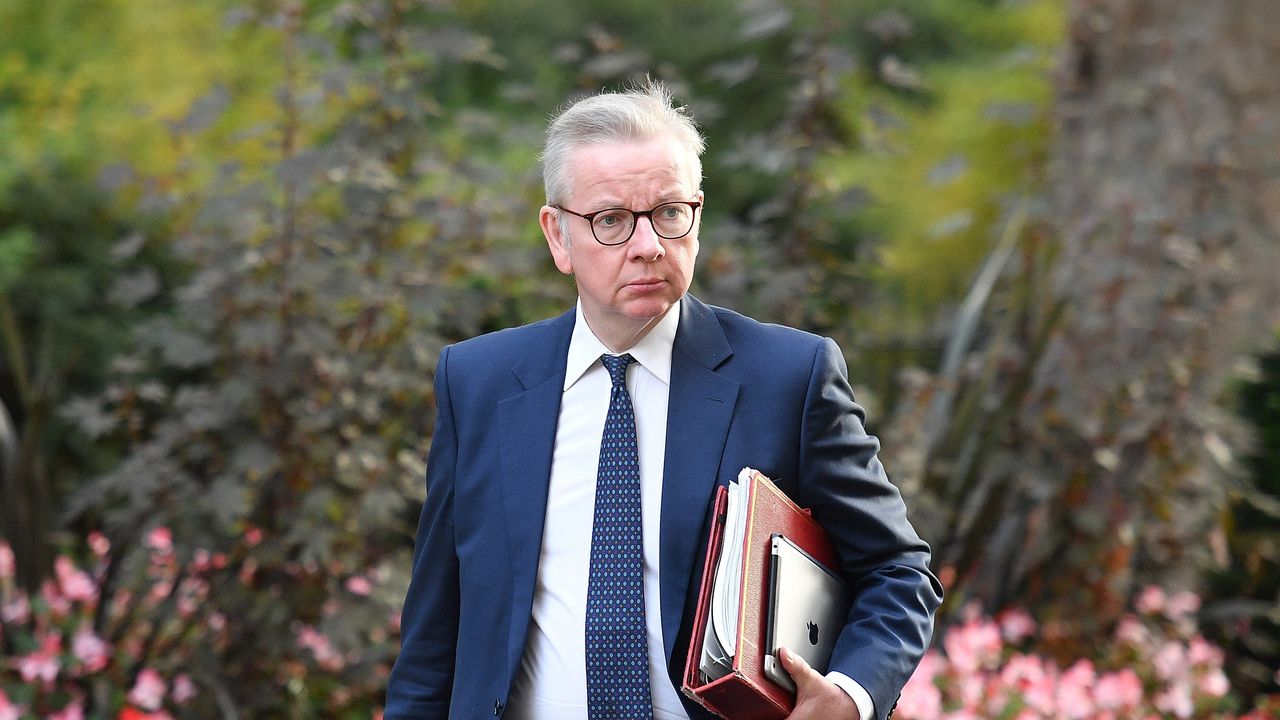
(152, 641)
(1155, 665)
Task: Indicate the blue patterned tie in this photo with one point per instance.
(617, 647)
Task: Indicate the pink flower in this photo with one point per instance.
(203, 561)
(99, 543)
(323, 651)
(1170, 661)
(1182, 605)
(17, 610)
(43, 663)
(159, 591)
(120, 603)
(973, 645)
(132, 713)
(200, 561)
(1118, 690)
(148, 692)
(74, 582)
(73, 711)
(160, 540)
(1132, 632)
(7, 563)
(1074, 697)
(971, 687)
(1150, 601)
(183, 689)
(247, 570)
(921, 699)
(1176, 699)
(1016, 625)
(9, 711)
(1202, 652)
(217, 622)
(359, 585)
(252, 536)
(1028, 676)
(1215, 684)
(59, 604)
(92, 652)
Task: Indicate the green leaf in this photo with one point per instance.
(17, 250)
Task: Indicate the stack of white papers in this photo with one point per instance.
(720, 642)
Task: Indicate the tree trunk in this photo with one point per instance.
(24, 515)
(1089, 454)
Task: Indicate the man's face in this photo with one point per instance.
(625, 289)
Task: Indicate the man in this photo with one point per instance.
(574, 460)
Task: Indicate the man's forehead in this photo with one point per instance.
(661, 160)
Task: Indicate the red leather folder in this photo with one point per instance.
(746, 693)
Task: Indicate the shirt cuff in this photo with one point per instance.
(861, 698)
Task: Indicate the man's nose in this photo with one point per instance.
(645, 243)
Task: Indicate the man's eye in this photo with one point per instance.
(609, 220)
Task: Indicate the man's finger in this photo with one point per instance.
(798, 669)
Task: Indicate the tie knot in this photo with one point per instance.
(617, 367)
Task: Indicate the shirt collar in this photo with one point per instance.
(653, 352)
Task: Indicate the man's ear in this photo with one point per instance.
(557, 241)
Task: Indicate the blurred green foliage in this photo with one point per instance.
(242, 232)
(75, 273)
(280, 212)
(1247, 612)
(87, 85)
(944, 163)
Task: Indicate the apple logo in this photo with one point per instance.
(813, 633)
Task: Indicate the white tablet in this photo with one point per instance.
(808, 605)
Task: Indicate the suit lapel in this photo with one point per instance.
(699, 412)
(527, 421)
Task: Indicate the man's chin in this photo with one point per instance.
(650, 311)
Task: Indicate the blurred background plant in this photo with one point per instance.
(1155, 664)
(234, 237)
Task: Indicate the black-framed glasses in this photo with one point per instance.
(615, 226)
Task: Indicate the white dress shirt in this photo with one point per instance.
(551, 683)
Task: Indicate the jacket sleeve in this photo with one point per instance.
(885, 561)
(422, 678)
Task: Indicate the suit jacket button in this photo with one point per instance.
(497, 708)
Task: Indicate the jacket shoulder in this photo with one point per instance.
(510, 342)
(497, 363)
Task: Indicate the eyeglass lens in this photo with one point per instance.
(670, 221)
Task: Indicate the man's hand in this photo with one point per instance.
(816, 697)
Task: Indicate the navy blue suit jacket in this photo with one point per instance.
(742, 394)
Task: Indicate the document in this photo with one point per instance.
(725, 669)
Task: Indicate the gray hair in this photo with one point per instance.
(641, 112)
